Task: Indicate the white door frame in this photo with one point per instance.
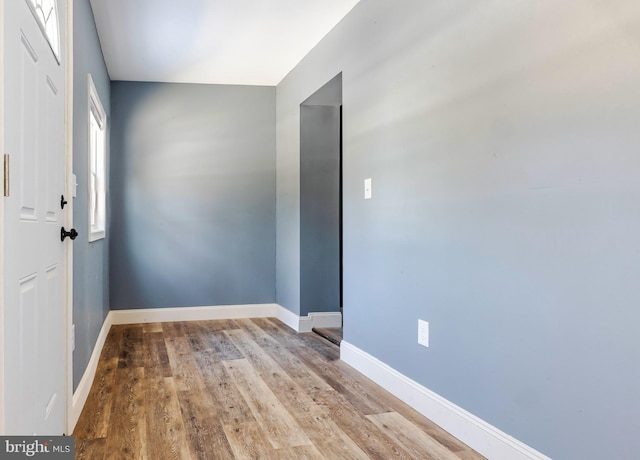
(2, 428)
(68, 217)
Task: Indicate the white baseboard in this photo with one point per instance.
(473, 431)
(160, 315)
(306, 323)
(82, 392)
(287, 317)
(164, 315)
(320, 320)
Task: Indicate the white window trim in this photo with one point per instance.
(96, 109)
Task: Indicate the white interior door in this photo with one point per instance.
(34, 266)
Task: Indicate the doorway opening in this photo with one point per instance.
(321, 205)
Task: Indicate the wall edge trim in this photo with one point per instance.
(468, 428)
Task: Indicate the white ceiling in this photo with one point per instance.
(242, 42)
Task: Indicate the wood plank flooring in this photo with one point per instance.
(244, 389)
(332, 334)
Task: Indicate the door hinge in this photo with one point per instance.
(6, 174)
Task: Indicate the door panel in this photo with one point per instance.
(27, 347)
(53, 136)
(27, 130)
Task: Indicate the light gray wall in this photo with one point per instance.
(90, 260)
(319, 209)
(193, 195)
(502, 139)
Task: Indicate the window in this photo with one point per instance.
(46, 13)
(97, 165)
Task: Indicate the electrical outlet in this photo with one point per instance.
(73, 337)
(423, 333)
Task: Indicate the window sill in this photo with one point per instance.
(95, 236)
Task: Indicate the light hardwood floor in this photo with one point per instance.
(244, 389)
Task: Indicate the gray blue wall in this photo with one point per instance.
(90, 260)
(502, 139)
(193, 195)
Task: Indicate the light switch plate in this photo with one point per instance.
(367, 189)
(423, 333)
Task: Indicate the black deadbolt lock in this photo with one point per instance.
(62, 201)
(73, 233)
